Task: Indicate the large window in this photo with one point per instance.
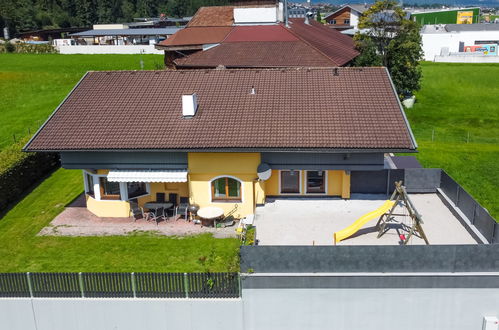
(316, 182)
(136, 189)
(89, 184)
(109, 190)
(290, 182)
(226, 189)
(347, 21)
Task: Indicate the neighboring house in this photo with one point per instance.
(243, 37)
(128, 38)
(461, 42)
(347, 17)
(205, 134)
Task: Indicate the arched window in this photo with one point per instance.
(226, 188)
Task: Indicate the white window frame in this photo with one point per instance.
(324, 175)
(226, 201)
(123, 188)
(124, 191)
(300, 180)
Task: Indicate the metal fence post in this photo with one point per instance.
(134, 285)
(30, 284)
(240, 286)
(80, 280)
(186, 285)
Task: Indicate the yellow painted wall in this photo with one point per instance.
(338, 184)
(204, 167)
(113, 209)
(179, 188)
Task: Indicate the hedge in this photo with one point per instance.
(30, 48)
(20, 170)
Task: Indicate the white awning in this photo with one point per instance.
(147, 176)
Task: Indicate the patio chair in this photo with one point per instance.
(156, 215)
(160, 197)
(172, 198)
(182, 207)
(136, 211)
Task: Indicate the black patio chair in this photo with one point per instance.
(182, 207)
(160, 197)
(136, 211)
(172, 198)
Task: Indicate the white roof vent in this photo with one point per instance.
(189, 105)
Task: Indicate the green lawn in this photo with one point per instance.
(22, 250)
(456, 123)
(32, 85)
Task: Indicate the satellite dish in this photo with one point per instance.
(264, 171)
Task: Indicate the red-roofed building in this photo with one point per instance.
(255, 37)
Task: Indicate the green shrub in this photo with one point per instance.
(9, 47)
(27, 48)
(20, 170)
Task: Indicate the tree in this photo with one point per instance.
(319, 17)
(389, 38)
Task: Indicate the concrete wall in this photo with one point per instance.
(433, 42)
(109, 49)
(122, 314)
(466, 59)
(292, 308)
(376, 309)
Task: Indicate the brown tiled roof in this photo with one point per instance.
(335, 45)
(213, 16)
(262, 54)
(292, 109)
(197, 36)
(313, 45)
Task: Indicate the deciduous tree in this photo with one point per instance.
(388, 37)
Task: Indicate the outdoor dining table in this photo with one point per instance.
(209, 214)
(157, 205)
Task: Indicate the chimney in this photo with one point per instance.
(189, 105)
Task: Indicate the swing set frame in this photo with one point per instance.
(400, 195)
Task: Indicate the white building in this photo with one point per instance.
(453, 42)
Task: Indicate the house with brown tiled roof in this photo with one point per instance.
(347, 17)
(257, 37)
(228, 139)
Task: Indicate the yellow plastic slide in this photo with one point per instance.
(360, 222)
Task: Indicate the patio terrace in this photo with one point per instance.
(76, 220)
(314, 221)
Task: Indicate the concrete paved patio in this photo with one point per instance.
(76, 220)
(314, 221)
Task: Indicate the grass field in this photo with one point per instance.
(22, 250)
(456, 123)
(32, 86)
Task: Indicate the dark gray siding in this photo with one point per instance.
(124, 160)
(323, 161)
